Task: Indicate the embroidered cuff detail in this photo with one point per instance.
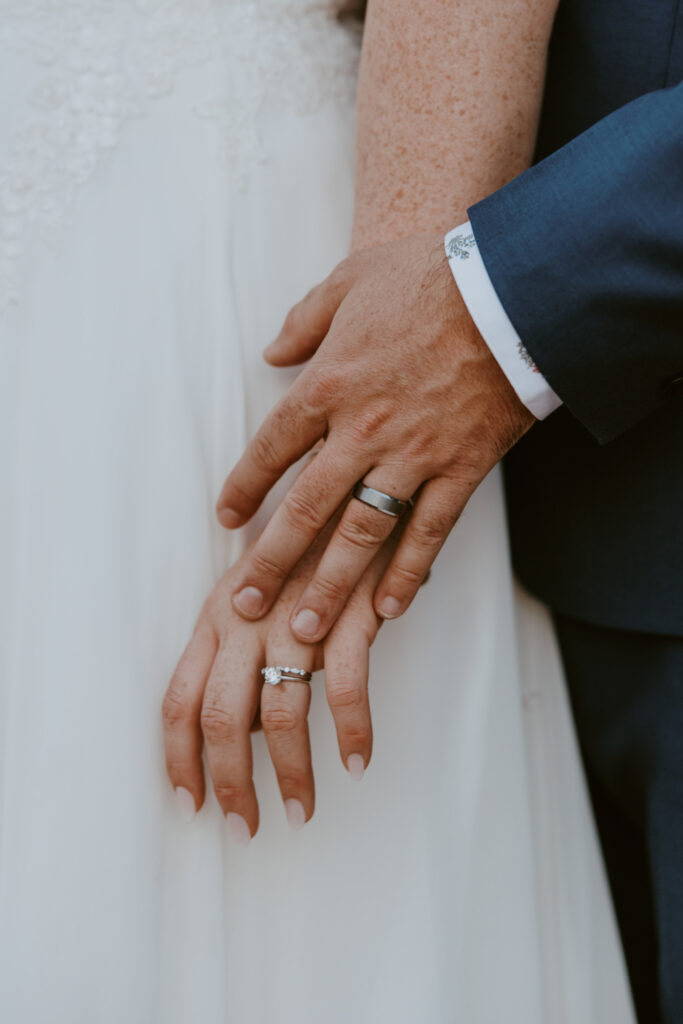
(494, 325)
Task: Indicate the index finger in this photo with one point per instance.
(287, 433)
(300, 518)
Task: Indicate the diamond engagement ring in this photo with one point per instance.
(274, 674)
(382, 502)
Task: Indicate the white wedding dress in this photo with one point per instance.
(174, 174)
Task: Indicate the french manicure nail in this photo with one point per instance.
(185, 803)
(249, 600)
(389, 608)
(356, 766)
(229, 518)
(296, 815)
(306, 623)
(238, 827)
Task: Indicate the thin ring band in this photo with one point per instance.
(382, 502)
(274, 674)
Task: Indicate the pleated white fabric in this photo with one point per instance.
(173, 175)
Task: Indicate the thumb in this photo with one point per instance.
(307, 323)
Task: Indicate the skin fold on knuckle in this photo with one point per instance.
(219, 725)
(175, 710)
(366, 427)
(264, 451)
(325, 590)
(264, 567)
(231, 794)
(301, 512)
(405, 577)
(430, 531)
(360, 532)
(342, 696)
(279, 719)
(324, 386)
(355, 740)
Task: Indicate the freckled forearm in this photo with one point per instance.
(449, 101)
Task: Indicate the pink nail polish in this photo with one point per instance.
(238, 827)
(296, 815)
(185, 803)
(356, 766)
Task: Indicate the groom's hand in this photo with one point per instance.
(408, 398)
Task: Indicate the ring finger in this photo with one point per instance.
(361, 532)
(284, 716)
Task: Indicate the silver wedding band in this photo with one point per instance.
(382, 502)
(274, 674)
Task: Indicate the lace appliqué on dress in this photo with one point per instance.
(293, 51)
(458, 246)
(102, 62)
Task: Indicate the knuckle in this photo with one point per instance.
(324, 387)
(281, 417)
(218, 723)
(294, 784)
(174, 710)
(360, 531)
(407, 575)
(264, 452)
(228, 793)
(265, 566)
(181, 768)
(343, 696)
(356, 739)
(277, 718)
(369, 424)
(329, 589)
(300, 512)
(466, 464)
(429, 531)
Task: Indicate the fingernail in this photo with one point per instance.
(296, 815)
(229, 518)
(306, 623)
(356, 766)
(238, 827)
(389, 608)
(185, 803)
(249, 601)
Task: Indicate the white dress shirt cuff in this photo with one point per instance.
(494, 325)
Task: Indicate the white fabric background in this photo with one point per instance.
(460, 880)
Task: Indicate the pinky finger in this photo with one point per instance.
(347, 666)
(437, 510)
(347, 669)
(181, 719)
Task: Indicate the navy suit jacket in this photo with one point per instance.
(585, 251)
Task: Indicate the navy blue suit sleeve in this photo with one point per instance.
(585, 252)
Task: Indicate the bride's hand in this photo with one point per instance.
(217, 697)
